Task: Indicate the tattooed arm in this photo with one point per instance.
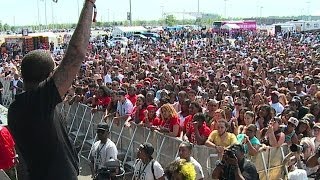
(77, 48)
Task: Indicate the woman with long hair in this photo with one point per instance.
(264, 115)
(138, 112)
(212, 106)
(102, 99)
(171, 124)
(272, 134)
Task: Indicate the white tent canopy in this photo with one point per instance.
(127, 30)
(230, 26)
(156, 29)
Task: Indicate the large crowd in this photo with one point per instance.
(256, 90)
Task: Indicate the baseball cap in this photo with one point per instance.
(148, 148)
(255, 60)
(121, 93)
(151, 107)
(294, 121)
(316, 125)
(103, 127)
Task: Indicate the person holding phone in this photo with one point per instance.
(234, 165)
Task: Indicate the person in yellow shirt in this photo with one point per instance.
(220, 139)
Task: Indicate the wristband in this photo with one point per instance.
(94, 11)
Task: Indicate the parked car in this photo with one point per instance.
(118, 40)
(153, 36)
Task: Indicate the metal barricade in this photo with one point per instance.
(127, 139)
(6, 92)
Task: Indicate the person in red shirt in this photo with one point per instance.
(151, 119)
(193, 109)
(132, 96)
(8, 157)
(199, 132)
(171, 125)
(102, 99)
(138, 112)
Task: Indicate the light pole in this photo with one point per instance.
(225, 8)
(308, 10)
(261, 7)
(45, 13)
(38, 14)
(130, 11)
(108, 15)
(198, 8)
(52, 14)
(162, 12)
(78, 8)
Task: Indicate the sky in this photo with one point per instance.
(27, 12)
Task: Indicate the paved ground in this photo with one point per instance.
(85, 173)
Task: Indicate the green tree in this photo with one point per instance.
(170, 20)
(6, 27)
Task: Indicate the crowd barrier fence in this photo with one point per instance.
(6, 92)
(81, 124)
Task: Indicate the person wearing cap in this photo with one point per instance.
(275, 104)
(289, 131)
(103, 150)
(234, 165)
(151, 119)
(145, 167)
(124, 107)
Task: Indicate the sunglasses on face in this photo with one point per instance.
(237, 104)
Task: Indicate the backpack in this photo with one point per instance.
(152, 169)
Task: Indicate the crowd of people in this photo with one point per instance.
(257, 90)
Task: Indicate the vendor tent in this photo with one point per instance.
(127, 30)
(230, 26)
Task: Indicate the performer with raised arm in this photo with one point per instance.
(41, 139)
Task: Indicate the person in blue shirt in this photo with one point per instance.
(250, 142)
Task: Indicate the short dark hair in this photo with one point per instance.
(187, 145)
(199, 117)
(36, 66)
